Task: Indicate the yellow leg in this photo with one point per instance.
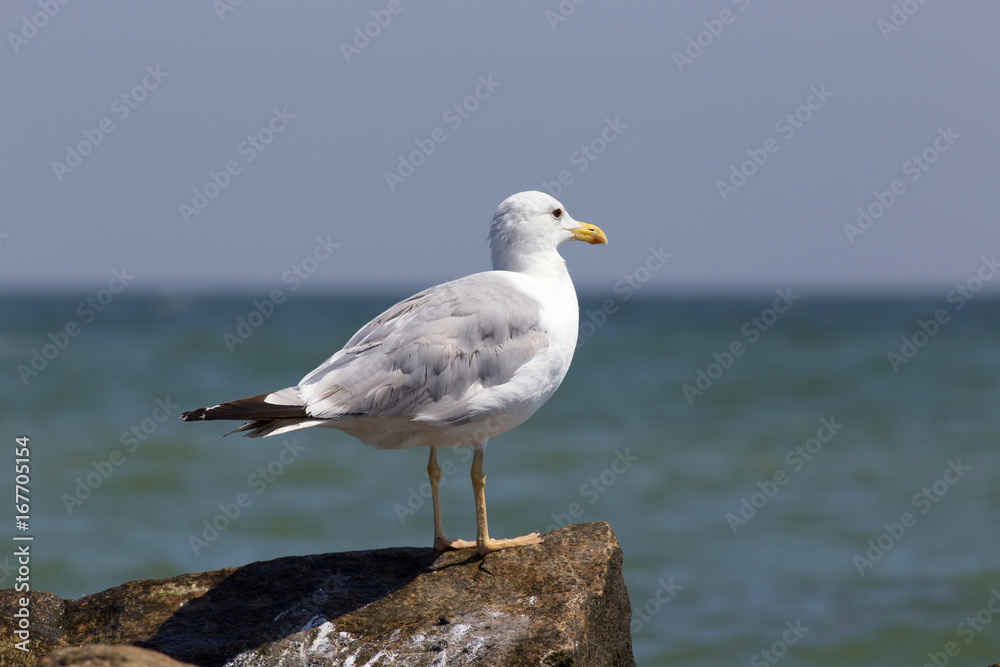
(441, 541)
(483, 541)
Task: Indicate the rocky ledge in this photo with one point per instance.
(562, 602)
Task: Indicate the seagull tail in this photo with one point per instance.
(266, 414)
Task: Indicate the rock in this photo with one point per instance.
(46, 611)
(562, 602)
(104, 655)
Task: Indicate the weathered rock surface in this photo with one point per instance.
(106, 655)
(559, 603)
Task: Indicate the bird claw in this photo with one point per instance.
(489, 544)
(444, 543)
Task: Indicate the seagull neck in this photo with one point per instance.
(545, 266)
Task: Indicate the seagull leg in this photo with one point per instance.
(484, 542)
(441, 541)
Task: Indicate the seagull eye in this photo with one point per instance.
(557, 213)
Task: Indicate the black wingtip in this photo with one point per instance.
(194, 415)
(247, 409)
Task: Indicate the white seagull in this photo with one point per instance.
(455, 364)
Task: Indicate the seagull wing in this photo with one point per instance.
(428, 356)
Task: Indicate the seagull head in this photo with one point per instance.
(529, 226)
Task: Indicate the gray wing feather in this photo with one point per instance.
(430, 354)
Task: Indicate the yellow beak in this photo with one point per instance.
(590, 233)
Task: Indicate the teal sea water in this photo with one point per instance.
(811, 505)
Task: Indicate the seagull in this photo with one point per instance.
(456, 364)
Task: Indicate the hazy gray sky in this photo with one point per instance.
(646, 107)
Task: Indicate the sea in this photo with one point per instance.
(795, 479)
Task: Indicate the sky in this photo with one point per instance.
(722, 145)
